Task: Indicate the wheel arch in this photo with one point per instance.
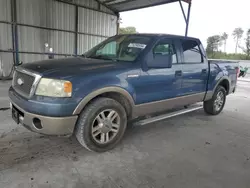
(225, 82)
(116, 93)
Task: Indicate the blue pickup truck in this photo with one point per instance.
(124, 78)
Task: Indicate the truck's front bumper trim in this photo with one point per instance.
(59, 126)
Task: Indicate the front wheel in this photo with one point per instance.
(215, 105)
(101, 125)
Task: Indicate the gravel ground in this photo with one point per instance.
(191, 151)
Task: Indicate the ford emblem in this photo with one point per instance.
(20, 81)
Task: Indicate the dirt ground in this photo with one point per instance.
(191, 151)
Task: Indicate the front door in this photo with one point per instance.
(158, 84)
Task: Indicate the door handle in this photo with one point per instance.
(178, 73)
(204, 71)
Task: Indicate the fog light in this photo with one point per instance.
(37, 123)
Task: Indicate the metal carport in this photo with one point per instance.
(127, 5)
(69, 27)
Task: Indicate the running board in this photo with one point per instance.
(169, 115)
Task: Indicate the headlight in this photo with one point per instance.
(54, 88)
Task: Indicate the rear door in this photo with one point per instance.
(195, 68)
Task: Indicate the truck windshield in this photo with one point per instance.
(119, 48)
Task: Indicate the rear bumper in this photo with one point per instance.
(59, 126)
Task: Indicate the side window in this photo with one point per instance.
(165, 47)
(191, 51)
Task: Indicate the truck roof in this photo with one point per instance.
(161, 35)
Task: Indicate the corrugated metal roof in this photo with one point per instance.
(126, 5)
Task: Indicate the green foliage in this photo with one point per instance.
(246, 49)
(161, 49)
(224, 38)
(127, 30)
(213, 43)
(231, 56)
(237, 34)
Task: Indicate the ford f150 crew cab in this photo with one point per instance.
(124, 78)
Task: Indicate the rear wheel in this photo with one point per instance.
(215, 105)
(101, 125)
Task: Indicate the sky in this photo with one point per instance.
(207, 18)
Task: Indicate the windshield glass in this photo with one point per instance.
(119, 48)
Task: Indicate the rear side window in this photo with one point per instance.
(191, 51)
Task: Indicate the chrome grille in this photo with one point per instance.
(23, 83)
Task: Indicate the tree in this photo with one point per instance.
(213, 43)
(237, 34)
(246, 49)
(224, 38)
(127, 30)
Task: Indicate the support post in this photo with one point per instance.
(118, 24)
(76, 31)
(188, 17)
(183, 12)
(14, 32)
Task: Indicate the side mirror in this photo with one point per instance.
(161, 61)
(19, 63)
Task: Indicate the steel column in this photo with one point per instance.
(188, 17)
(118, 23)
(14, 31)
(183, 12)
(76, 30)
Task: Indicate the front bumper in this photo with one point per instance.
(45, 106)
(59, 126)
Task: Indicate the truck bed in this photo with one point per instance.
(226, 68)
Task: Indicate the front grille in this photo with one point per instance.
(23, 82)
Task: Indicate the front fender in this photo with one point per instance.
(98, 92)
(92, 87)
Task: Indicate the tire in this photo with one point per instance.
(96, 117)
(210, 105)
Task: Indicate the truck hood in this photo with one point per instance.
(67, 65)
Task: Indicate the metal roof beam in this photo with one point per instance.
(108, 1)
(107, 6)
(120, 2)
(126, 5)
(143, 6)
